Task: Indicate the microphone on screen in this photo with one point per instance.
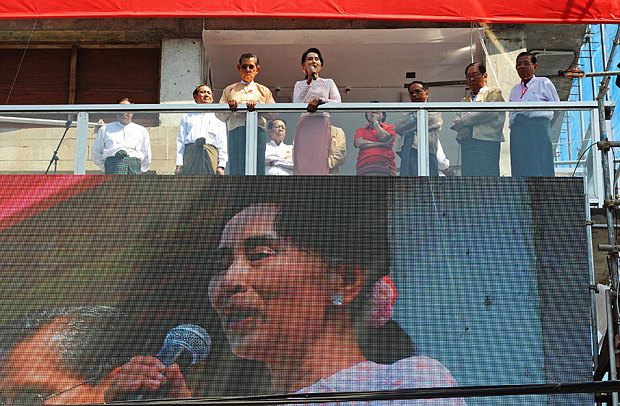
(184, 345)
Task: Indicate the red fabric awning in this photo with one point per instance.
(492, 11)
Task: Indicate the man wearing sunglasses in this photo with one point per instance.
(61, 355)
(251, 93)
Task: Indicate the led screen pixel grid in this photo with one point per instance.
(491, 273)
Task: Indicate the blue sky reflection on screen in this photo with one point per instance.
(465, 265)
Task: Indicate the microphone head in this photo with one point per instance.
(191, 338)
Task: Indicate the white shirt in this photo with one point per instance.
(443, 162)
(207, 126)
(282, 158)
(131, 138)
(536, 90)
(482, 90)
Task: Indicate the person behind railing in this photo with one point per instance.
(480, 133)
(301, 283)
(531, 151)
(407, 130)
(443, 163)
(122, 147)
(202, 145)
(376, 142)
(313, 132)
(278, 155)
(64, 355)
(251, 93)
(337, 151)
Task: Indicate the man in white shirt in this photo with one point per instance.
(278, 155)
(122, 147)
(202, 147)
(531, 152)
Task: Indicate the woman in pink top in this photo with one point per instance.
(300, 283)
(313, 132)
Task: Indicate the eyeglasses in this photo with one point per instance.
(246, 66)
(473, 76)
(32, 397)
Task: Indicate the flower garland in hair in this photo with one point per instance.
(382, 298)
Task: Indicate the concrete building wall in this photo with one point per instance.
(181, 72)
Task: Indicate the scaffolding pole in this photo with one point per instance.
(613, 316)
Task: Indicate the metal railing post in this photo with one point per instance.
(422, 123)
(81, 144)
(251, 142)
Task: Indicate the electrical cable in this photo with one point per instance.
(21, 62)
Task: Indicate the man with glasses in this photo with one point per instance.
(278, 155)
(61, 356)
(531, 152)
(480, 133)
(251, 93)
(407, 129)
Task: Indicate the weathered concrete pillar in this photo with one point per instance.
(181, 72)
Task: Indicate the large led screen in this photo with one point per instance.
(265, 285)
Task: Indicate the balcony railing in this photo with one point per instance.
(18, 125)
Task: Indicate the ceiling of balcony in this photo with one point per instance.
(372, 64)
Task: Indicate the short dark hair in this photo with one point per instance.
(198, 88)
(248, 56)
(347, 224)
(480, 65)
(314, 50)
(122, 99)
(526, 53)
(424, 85)
(86, 342)
(270, 123)
(334, 224)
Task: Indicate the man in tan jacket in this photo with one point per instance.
(480, 133)
(251, 93)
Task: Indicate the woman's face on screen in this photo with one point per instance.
(270, 295)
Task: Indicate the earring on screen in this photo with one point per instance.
(337, 300)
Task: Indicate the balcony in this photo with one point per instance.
(31, 133)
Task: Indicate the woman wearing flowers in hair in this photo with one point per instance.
(298, 291)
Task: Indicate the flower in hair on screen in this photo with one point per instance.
(382, 300)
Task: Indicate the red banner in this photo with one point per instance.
(491, 11)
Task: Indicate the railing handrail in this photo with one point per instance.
(301, 107)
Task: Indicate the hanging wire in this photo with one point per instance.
(581, 156)
(21, 62)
